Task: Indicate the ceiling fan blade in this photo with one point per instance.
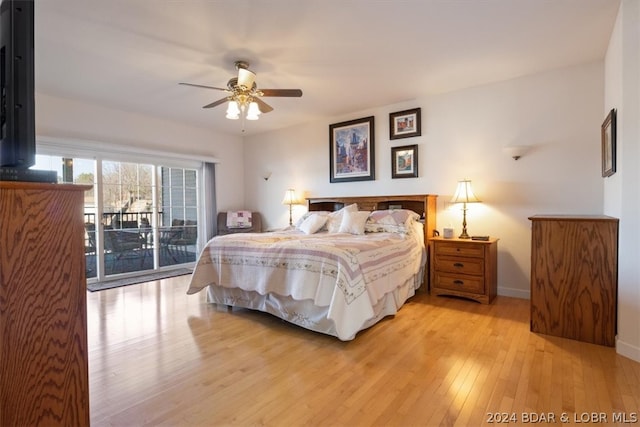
(282, 92)
(263, 106)
(216, 103)
(246, 78)
(203, 86)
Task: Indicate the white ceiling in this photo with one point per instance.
(346, 55)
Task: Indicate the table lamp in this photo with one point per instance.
(290, 198)
(464, 194)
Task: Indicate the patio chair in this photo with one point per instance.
(125, 244)
(90, 238)
(177, 238)
(90, 248)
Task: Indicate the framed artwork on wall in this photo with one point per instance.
(608, 137)
(404, 161)
(351, 150)
(405, 124)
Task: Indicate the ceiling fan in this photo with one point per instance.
(244, 96)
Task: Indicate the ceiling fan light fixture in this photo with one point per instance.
(246, 79)
(233, 111)
(243, 95)
(253, 112)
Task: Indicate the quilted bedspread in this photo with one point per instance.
(347, 273)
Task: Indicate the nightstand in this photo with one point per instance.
(464, 268)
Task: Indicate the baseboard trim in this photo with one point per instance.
(627, 350)
(515, 293)
(622, 348)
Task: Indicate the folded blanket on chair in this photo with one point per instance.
(239, 219)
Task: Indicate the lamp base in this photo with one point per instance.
(464, 234)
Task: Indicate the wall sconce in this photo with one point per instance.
(516, 151)
(464, 194)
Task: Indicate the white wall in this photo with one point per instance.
(93, 124)
(557, 113)
(622, 194)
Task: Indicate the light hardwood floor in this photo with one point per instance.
(160, 357)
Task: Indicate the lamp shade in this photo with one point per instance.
(290, 197)
(464, 193)
(253, 112)
(233, 111)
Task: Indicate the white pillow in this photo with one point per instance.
(306, 215)
(335, 218)
(393, 216)
(313, 223)
(391, 221)
(353, 222)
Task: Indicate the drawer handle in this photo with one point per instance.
(458, 282)
(458, 265)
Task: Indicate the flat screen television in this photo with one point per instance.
(17, 121)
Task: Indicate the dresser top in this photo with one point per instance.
(572, 218)
(458, 240)
(15, 185)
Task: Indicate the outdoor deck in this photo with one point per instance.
(128, 243)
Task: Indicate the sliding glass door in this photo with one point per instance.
(179, 220)
(138, 217)
(128, 209)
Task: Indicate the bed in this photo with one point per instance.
(345, 265)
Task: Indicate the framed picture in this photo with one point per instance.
(351, 150)
(404, 161)
(405, 124)
(608, 136)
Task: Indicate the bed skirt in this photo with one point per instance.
(305, 313)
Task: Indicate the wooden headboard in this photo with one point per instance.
(423, 204)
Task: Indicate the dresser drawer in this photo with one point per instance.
(458, 249)
(459, 283)
(474, 266)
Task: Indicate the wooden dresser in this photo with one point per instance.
(43, 337)
(464, 268)
(574, 277)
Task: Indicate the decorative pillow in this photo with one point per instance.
(313, 223)
(390, 221)
(335, 218)
(393, 216)
(307, 215)
(353, 222)
(239, 219)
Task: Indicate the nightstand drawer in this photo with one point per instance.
(461, 265)
(464, 268)
(457, 249)
(459, 283)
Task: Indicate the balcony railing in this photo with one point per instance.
(121, 220)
